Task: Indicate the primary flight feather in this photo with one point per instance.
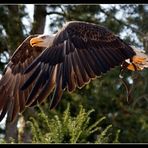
(71, 58)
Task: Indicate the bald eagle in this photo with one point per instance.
(69, 59)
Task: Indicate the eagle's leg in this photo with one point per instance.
(125, 83)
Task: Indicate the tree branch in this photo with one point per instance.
(122, 22)
(58, 13)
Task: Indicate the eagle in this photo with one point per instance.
(50, 64)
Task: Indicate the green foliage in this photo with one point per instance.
(3, 141)
(69, 129)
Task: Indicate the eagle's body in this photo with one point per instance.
(71, 58)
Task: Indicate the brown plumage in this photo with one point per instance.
(75, 55)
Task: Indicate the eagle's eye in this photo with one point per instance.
(43, 37)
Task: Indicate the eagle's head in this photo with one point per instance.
(42, 41)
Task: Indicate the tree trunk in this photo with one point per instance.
(11, 131)
(39, 19)
(15, 21)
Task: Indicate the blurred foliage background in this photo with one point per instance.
(105, 95)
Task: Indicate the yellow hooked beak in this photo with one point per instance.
(36, 41)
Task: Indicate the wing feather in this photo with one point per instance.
(48, 87)
(58, 87)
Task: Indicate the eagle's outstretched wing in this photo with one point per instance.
(11, 98)
(80, 52)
